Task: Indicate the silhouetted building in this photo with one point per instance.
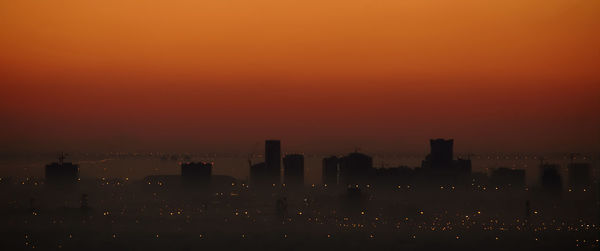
(440, 168)
(196, 172)
(441, 158)
(356, 168)
(62, 172)
(330, 170)
(273, 160)
(462, 165)
(441, 154)
(580, 175)
(293, 169)
(508, 178)
(550, 178)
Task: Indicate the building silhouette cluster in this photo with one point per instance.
(356, 168)
(269, 171)
(438, 169)
(441, 159)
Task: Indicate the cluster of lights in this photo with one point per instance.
(424, 222)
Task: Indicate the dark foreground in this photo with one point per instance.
(126, 215)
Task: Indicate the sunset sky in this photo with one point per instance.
(321, 75)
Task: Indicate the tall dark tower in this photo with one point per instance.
(330, 170)
(441, 152)
(550, 178)
(273, 159)
(293, 165)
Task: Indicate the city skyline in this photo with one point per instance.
(300, 125)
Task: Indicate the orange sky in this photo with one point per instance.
(498, 75)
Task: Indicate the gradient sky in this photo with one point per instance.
(322, 75)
